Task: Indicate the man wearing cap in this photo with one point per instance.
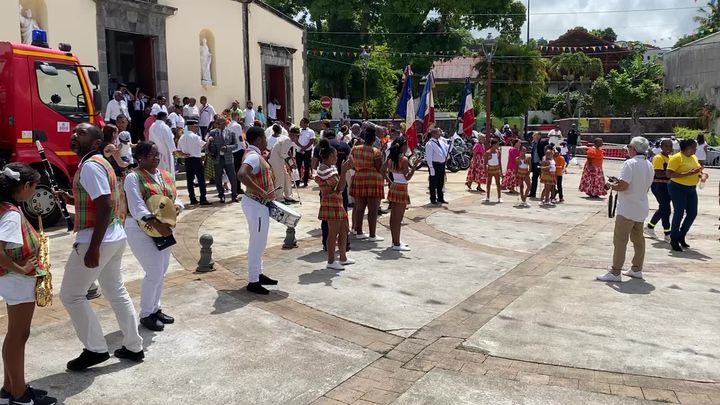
(191, 145)
(161, 134)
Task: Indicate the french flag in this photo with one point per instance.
(426, 109)
(467, 112)
(406, 108)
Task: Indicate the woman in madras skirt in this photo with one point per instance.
(592, 181)
(399, 173)
(523, 163)
(493, 163)
(19, 269)
(547, 176)
(331, 185)
(476, 171)
(510, 180)
(367, 185)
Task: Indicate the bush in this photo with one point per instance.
(677, 104)
(691, 133)
(314, 107)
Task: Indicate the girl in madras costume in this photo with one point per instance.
(147, 180)
(19, 268)
(331, 185)
(476, 172)
(592, 181)
(547, 176)
(399, 173)
(510, 180)
(493, 166)
(367, 185)
(524, 163)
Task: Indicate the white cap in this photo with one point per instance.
(155, 109)
(124, 136)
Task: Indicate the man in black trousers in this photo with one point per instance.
(537, 151)
(436, 152)
(191, 145)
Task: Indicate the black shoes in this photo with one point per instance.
(265, 280)
(87, 359)
(193, 202)
(164, 318)
(290, 201)
(443, 202)
(683, 243)
(33, 397)
(205, 202)
(153, 323)
(222, 199)
(92, 294)
(676, 246)
(257, 288)
(124, 353)
(5, 395)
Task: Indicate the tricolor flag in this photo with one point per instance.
(426, 108)
(406, 108)
(467, 112)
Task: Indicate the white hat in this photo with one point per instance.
(155, 109)
(124, 136)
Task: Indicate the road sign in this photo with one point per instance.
(325, 102)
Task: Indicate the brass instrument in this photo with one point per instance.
(163, 209)
(43, 285)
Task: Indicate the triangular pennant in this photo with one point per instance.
(321, 52)
(334, 53)
(355, 54)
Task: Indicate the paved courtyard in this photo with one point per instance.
(494, 305)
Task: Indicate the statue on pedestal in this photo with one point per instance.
(205, 63)
(27, 25)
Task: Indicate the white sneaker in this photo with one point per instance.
(376, 239)
(500, 200)
(634, 274)
(609, 278)
(666, 238)
(526, 205)
(347, 261)
(335, 266)
(361, 236)
(401, 248)
(486, 199)
(650, 232)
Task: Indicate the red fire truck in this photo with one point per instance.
(44, 94)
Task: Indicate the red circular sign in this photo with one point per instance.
(325, 102)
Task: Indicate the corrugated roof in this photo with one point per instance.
(457, 68)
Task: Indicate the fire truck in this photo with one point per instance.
(44, 94)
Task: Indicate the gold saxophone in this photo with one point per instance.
(43, 285)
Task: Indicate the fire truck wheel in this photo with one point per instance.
(44, 202)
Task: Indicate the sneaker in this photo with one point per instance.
(401, 248)
(500, 200)
(650, 233)
(93, 294)
(31, 397)
(335, 266)
(347, 261)
(5, 395)
(257, 288)
(375, 239)
(125, 353)
(487, 199)
(526, 205)
(152, 323)
(361, 236)
(666, 238)
(265, 280)
(87, 359)
(609, 278)
(164, 318)
(634, 274)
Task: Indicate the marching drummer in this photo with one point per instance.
(256, 174)
(153, 253)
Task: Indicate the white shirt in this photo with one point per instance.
(306, 135)
(253, 159)
(436, 150)
(207, 114)
(191, 111)
(249, 117)
(701, 153)
(165, 141)
(272, 110)
(269, 131)
(633, 203)
(176, 121)
(115, 108)
(676, 145)
(126, 152)
(279, 148)
(94, 179)
(136, 204)
(11, 229)
(237, 131)
(191, 144)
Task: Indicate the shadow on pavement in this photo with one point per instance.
(324, 276)
(230, 300)
(633, 286)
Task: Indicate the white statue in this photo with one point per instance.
(27, 25)
(205, 62)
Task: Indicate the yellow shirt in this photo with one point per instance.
(660, 162)
(679, 163)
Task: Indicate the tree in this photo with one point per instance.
(574, 66)
(708, 23)
(607, 34)
(518, 78)
(382, 80)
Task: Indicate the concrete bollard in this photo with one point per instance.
(206, 263)
(290, 241)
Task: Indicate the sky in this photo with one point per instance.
(551, 18)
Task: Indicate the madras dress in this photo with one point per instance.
(476, 171)
(30, 246)
(331, 200)
(510, 180)
(398, 192)
(522, 172)
(493, 170)
(368, 182)
(592, 181)
(546, 175)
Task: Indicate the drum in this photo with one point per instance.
(284, 214)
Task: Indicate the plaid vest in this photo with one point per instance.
(263, 178)
(31, 243)
(84, 205)
(148, 185)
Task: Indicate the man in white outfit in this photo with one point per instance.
(97, 254)
(280, 147)
(115, 107)
(257, 176)
(163, 137)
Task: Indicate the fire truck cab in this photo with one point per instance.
(44, 94)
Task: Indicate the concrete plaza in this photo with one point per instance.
(494, 305)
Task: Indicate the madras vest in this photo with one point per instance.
(30, 246)
(85, 206)
(263, 178)
(148, 185)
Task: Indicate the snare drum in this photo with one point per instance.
(284, 214)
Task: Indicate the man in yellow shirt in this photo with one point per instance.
(684, 172)
(659, 189)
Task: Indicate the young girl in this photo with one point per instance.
(331, 185)
(19, 246)
(476, 172)
(702, 147)
(547, 176)
(493, 168)
(399, 173)
(510, 181)
(559, 170)
(524, 162)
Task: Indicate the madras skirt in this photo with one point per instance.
(493, 170)
(592, 181)
(510, 180)
(331, 208)
(476, 171)
(208, 169)
(367, 184)
(398, 193)
(547, 178)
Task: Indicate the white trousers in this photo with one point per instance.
(154, 262)
(258, 219)
(76, 281)
(282, 179)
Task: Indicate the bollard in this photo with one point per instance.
(206, 263)
(290, 241)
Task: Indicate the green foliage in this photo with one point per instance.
(576, 100)
(677, 104)
(576, 64)
(314, 107)
(607, 34)
(708, 23)
(712, 139)
(381, 78)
